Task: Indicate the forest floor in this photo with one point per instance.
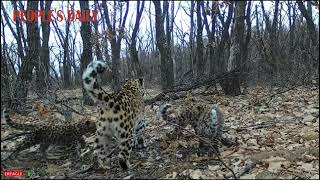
(277, 132)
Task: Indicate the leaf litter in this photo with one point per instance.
(278, 137)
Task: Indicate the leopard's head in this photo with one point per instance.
(136, 84)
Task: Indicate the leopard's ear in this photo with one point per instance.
(141, 81)
(127, 80)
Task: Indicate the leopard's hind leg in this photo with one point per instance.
(103, 145)
(127, 143)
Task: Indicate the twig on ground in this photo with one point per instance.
(281, 92)
(255, 126)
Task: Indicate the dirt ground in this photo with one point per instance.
(277, 134)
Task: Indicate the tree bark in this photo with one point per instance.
(191, 39)
(200, 61)
(245, 69)
(43, 66)
(211, 34)
(137, 69)
(273, 56)
(16, 34)
(5, 86)
(167, 75)
(66, 58)
(221, 65)
(310, 24)
(95, 25)
(115, 42)
(232, 83)
(86, 56)
(25, 74)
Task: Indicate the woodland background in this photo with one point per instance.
(236, 44)
(258, 60)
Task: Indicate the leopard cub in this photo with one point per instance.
(47, 134)
(207, 120)
(120, 115)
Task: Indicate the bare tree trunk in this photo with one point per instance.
(66, 62)
(313, 35)
(5, 85)
(232, 83)
(191, 39)
(95, 25)
(261, 47)
(200, 61)
(274, 60)
(292, 21)
(274, 41)
(66, 58)
(115, 41)
(153, 49)
(43, 66)
(151, 30)
(310, 23)
(169, 30)
(221, 65)
(18, 33)
(86, 56)
(133, 50)
(167, 76)
(210, 33)
(245, 66)
(105, 51)
(5, 88)
(25, 73)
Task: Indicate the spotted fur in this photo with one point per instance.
(69, 135)
(207, 120)
(120, 114)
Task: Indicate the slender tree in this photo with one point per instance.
(86, 56)
(32, 57)
(137, 69)
(43, 65)
(167, 75)
(235, 60)
(200, 61)
(115, 40)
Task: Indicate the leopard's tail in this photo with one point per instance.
(5, 116)
(11, 123)
(8, 120)
(164, 113)
(90, 81)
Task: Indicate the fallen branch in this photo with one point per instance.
(273, 95)
(66, 99)
(255, 126)
(165, 95)
(281, 92)
(172, 96)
